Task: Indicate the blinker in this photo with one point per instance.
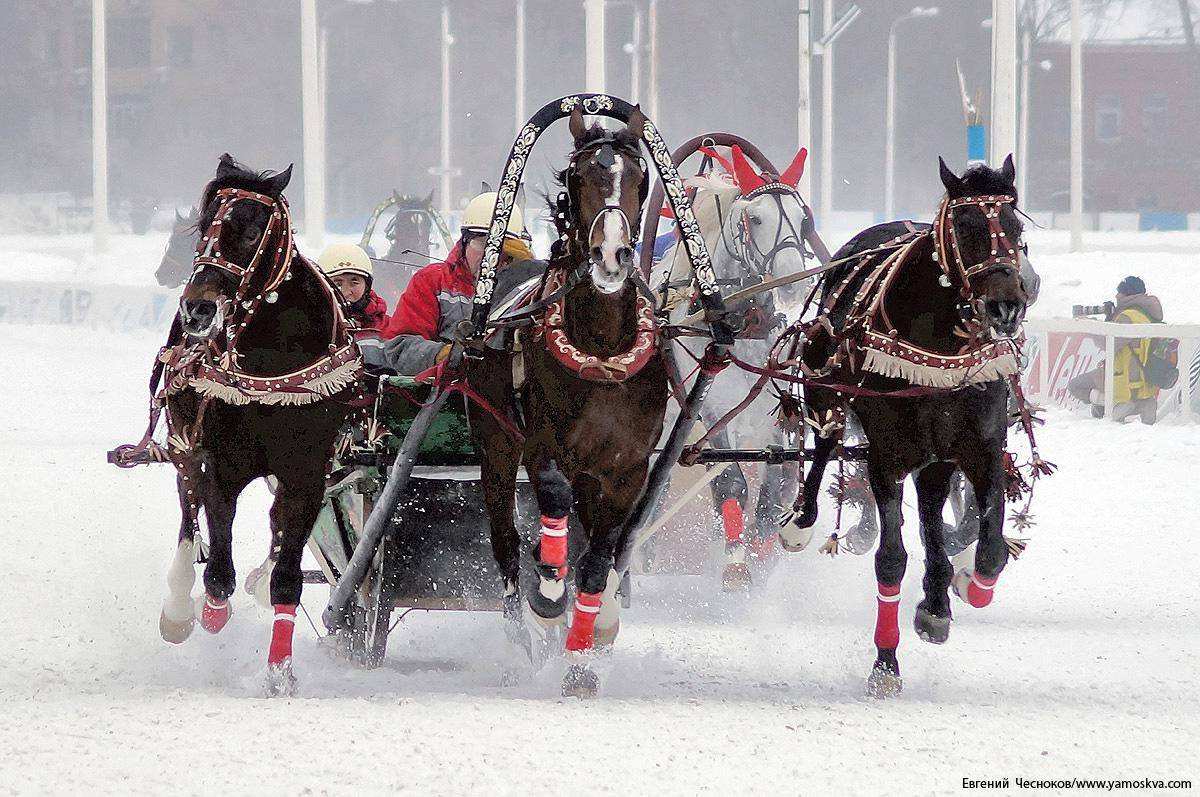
(605, 156)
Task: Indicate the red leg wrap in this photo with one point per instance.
(887, 631)
(553, 547)
(215, 614)
(979, 591)
(281, 633)
(583, 623)
(733, 520)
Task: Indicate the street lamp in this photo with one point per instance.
(889, 179)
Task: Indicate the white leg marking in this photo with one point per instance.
(181, 576)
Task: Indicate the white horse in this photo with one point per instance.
(755, 228)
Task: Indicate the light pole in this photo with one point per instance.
(634, 50)
(889, 170)
(313, 149)
(520, 66)
(1077, 127)
(804, 87)
(99, 129)
(593, 33)
(652, 55)
(1004, 80)
(824, 48)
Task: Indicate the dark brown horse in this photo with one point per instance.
(250, 372)
(593, 399)
(958, 292)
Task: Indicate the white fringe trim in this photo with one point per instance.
(322, 387)
(999, 367)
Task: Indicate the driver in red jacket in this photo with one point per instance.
(438, 297)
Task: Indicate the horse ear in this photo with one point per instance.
(792, 174)
(226, 166)
(485, 187)
(429, 199)
(743, 172)
(276, 183)
(1009, 171)
(637, 121)
(954, 186)
(576, 125)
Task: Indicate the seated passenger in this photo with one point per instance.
(439, 296)
(349, 268)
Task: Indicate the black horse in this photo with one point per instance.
(253, 308)
(968, 284)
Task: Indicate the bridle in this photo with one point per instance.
(1003, 255)
(275, 255)
(566, 214)
(744, 250)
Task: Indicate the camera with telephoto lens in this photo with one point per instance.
(1082, 310)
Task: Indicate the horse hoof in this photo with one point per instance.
(580, 682)
(931, 628)
(794, 537)
(736, 577)
(605, 638)
(281, 681)
(960, 584)
(258, 583)
(175, 631)
(883, 683)
(214, 616)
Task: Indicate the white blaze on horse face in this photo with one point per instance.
(608, 275)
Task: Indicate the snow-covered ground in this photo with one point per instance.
(1084, 666)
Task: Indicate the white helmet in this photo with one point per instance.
(345, 259)
(477, 217)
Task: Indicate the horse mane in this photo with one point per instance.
(237, 176)
(983, 180)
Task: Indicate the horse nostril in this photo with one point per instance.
(597, 253)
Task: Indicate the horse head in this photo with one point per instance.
(979, 244)
(606, 184)
(176, 264)
(411, 226)
(233, 230)
(763, 231)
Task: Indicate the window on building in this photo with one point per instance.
(128, 42)
(1108, 117)
(1155, 116)
(179, 46)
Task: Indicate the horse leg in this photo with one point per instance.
(602, 509)
(554, 497)
(890, 562)
(932, 621)
(297, 503)
(258, 580)
(729, 493)
(986, 475)
(796, 535)
(220, 502)
(178, 617)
